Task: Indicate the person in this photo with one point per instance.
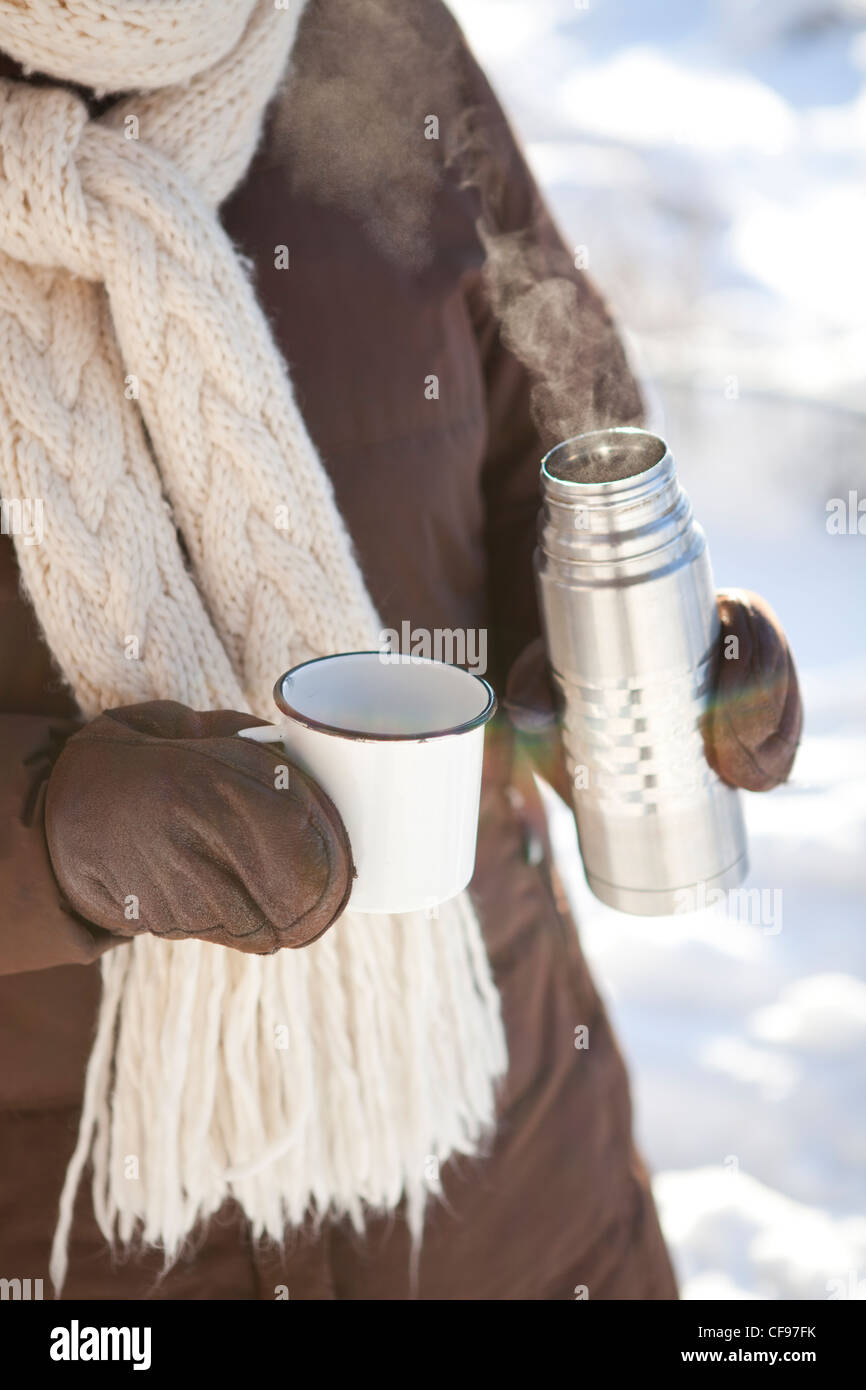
(128, 666)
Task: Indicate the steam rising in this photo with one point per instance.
(351, 124)
(351, 128)
(542, 324)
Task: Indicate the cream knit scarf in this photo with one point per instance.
(327, 1081)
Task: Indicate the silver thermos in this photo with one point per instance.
(631, 627)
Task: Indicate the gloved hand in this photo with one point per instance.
(753, 722)
(158, 810)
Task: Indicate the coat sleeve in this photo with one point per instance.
(37, 929)
(530, 296)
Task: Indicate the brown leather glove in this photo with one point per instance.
(158, 810)
(753, 724)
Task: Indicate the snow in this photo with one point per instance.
(641, 97)
(722, 143)
(709, 154)
(749, 1242)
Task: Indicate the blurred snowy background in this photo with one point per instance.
(707, 158)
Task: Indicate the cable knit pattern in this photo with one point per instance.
(115, 45)
(123, 309)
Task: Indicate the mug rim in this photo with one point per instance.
(359, 736)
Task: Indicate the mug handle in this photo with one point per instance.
(266, 733)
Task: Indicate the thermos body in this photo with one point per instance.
(631, 627)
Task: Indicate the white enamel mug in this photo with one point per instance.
(396, 741)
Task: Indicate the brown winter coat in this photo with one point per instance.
(440, 497)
